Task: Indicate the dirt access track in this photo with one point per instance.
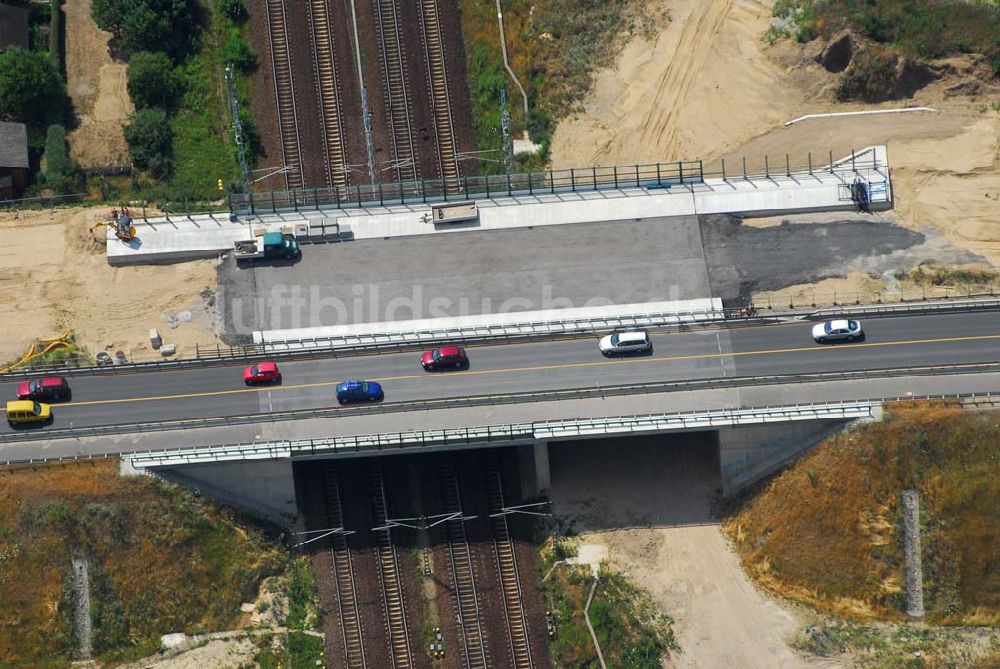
(54, 278)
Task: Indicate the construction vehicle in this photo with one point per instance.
(270, 246)
(121, 223)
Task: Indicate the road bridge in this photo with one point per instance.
(707, 369)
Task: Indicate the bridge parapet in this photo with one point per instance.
(486, 436)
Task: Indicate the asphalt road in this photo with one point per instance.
(534, 366)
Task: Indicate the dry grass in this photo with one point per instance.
(827, 532)
(161, 560)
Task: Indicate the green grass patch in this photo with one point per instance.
(202, 151)
(305, 651)
(303, 597)
(631, 629)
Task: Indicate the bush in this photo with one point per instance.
(61, 174)
(138, 24)
(151, 80)
(31, 89)
(238, 52)
(870, 77)
(234, 9)
(55, 33)
(149, 140)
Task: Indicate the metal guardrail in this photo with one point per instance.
(733, 318)
(487, 400)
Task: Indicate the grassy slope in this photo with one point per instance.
(828, 531)
(161, 561)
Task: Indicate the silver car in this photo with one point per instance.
(633, 341)
(839, 330)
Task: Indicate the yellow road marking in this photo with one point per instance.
(537, 368)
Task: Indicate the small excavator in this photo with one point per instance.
(121, 223)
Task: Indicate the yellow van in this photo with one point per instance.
(26, 411)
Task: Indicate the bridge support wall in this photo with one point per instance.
(533, 466)
(749, 453)
(263, 488)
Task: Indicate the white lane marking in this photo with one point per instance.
(722, 357)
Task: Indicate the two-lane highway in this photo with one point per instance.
(529, 366)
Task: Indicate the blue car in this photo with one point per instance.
(359, 391)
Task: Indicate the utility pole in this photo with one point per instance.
(234, 110)
(508, 151)
(366, 115)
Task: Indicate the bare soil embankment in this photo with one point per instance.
(709, 87)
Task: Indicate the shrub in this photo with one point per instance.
(149, 140)
(870, 77)
(234, 9)
(61, 174)
(31, 89)
(151, 80)
(55, 32)
(238, 52)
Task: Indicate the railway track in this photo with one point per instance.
(328, 92)
(396, 94)
(343, 572)
(388, 570)
(462, 574)
(284, 92)
(506, 560)
(430, 25)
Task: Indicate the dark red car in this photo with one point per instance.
(47, 389)
(262, 372)
(446, 357)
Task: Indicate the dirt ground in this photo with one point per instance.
(709, 87)
(97, 86)
(649, 500)
(70, 286)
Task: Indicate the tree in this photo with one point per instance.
(61, 174)
(31, 90)
(138, 25)
(151, 80)
(149, 141)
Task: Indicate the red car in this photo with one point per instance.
(443, 358)
(262, 372)
(47, 389)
